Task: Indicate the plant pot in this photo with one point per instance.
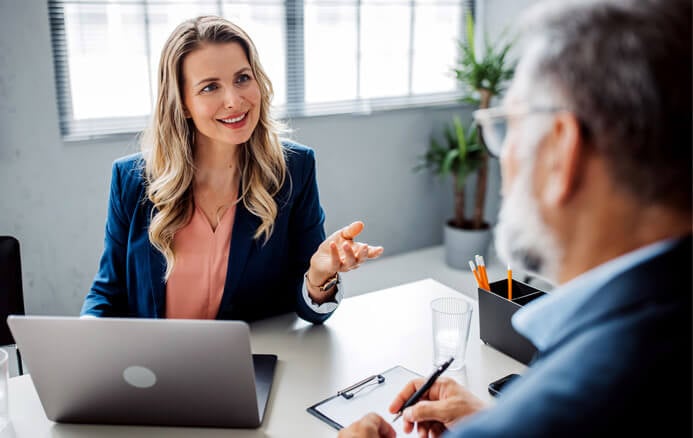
(461, 245)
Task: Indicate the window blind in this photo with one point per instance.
(322, 56)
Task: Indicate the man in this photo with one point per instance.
(597, 190)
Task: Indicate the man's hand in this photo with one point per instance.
(370, 426)
(443, 405)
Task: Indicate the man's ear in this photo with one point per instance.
(566, 159)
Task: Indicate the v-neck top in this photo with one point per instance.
(196, 284)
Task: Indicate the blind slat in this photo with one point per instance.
(323, 56)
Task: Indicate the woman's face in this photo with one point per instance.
(220, 94)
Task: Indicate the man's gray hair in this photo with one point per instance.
(624, 69)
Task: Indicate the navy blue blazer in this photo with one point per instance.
(622, 366)
(262, 280)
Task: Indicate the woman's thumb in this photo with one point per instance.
(352, 230)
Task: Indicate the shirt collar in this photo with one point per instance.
(539, 320)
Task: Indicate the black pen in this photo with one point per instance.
(426, 386)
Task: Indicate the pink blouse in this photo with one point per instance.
(196, 284)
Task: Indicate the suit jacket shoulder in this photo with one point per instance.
(300, 159)
(612, 370)
(129, 180)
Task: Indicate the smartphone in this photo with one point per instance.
(495, 387)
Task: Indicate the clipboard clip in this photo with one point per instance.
(348, 393)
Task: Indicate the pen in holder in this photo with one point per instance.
(495, 313)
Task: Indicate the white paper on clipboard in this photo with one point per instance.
(339, 411)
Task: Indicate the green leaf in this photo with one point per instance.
(449, 161)
(470, 33)
(488, 69)
(472, 140)
(461, 140)
(449, 138)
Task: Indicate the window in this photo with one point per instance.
(323, 56)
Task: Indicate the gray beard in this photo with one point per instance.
(522, 239)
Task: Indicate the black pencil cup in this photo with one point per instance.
(495, 312)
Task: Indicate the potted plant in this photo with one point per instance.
(481, 76)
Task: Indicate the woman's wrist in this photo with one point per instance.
(322, 291)
(316, 278)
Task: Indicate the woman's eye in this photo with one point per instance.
(208, 88)
(243, 78)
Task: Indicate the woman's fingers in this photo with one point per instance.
(374, 251)
(355, 254)
(336, 257)
(349, 256)
(351, 231)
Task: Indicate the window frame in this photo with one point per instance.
(295, 108)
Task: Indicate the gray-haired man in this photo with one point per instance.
(595, 143)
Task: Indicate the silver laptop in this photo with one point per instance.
(145, 371)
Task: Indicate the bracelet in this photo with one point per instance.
(329, 283)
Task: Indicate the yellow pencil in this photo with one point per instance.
(510, 283)
(476, 275)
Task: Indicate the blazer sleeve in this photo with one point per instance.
(108, 293)
(308, 232)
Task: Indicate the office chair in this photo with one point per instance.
(11, 294)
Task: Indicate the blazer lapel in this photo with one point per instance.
(157, 268)
(244, 227)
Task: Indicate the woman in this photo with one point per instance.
(216, 217)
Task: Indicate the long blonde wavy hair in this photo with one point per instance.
(168, 142)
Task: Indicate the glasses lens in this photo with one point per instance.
(500, 130)
(493, 135)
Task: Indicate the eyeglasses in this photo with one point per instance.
(493, 125)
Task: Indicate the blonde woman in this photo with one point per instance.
(216, 217)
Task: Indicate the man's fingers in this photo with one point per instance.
(406, 392)
(385, 429)
(423, 411)
(408, 427)
(422, 429)
(438, 429)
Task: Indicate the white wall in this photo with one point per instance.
(53, 195)
(496, 17)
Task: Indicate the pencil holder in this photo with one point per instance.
(495, 313)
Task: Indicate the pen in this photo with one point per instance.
(510, 283)
(426, 386)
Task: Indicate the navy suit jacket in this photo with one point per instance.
(622, 367)
(262, 280)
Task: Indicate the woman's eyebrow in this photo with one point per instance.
(206, 80)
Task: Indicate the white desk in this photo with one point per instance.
(367, 334)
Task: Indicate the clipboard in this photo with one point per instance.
(372, 394)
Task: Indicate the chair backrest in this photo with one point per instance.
(11, 293)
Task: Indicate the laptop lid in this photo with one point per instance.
(145, 371)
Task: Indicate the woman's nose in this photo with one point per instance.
(232, 98)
